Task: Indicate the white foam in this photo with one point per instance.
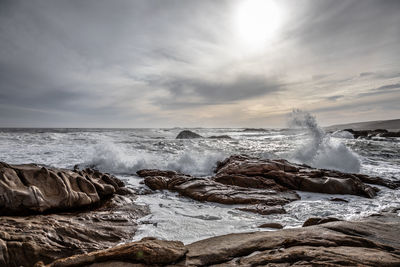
(321, 151)
(343, 134)
(114, 158)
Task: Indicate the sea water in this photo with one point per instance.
(124, 151)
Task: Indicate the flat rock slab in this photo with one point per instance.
(369, 242)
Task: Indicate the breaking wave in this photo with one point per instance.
(113, 158)
(321, 151)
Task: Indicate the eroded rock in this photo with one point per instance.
(369, 242)
(95, 211)
(29, 188)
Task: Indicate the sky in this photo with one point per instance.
(168, 63)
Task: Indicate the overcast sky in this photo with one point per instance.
(166, 63)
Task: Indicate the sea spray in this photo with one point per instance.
(321, 151)
(115, 158)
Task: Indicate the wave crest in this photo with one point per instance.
(321, 151)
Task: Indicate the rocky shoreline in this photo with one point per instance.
(58, 217)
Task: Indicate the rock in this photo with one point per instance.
(29, 188)
(371, 241)
(264, 185)
(264, 209)
(254, 130)
(220, 137)
(337, 199)
(373, 133)
(95, 211)
(317, 220)
(147, 251)
(48, 237)
(301, 177)
(271, 225)
(269, 200)
(186, 134)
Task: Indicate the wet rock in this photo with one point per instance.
(254, 130)
(369, 242)
(301, 177)
(337, 199)
(264, 209)
(373, 133)
(262, 199)
(148, 251)
(30, 188)
(186, 134)
(264, 185)
(317, 220)
(271, 225)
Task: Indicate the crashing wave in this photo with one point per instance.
(322, 151)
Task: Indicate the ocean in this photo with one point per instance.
(124, 151)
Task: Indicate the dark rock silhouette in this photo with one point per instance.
(186, 134)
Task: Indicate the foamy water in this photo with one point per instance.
(124, 151)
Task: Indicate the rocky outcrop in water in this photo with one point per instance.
(369, 242)
(265, 185)
(372, 133)
(186, 134)
(263, 196)
(95, 211)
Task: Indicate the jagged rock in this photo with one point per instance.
(263, 184)
(369, 242)
(302, 177)
(30, 188)
(186, 134)
(317, 220)
(263, 200)
(97, 212)
(147, 251)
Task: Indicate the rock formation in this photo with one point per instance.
(30, 188)
(186, 134)
(372, 133)
(369, 242)
(264, 185)
(95, 211)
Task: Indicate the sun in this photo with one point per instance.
(257, 22)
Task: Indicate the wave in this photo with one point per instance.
(116, 159)
(322, 151)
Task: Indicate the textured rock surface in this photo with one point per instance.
(369, 242)
(30, 188)
(147, 251)
(264, 185)
(373, 133)
(96, 212)
(186, 134)
(302, 177)
(261, 199)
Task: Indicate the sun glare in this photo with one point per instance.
(257, 22)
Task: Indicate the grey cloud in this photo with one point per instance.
(334, 97)
(385, 89)
(208, 92)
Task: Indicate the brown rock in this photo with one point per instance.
(317, 220)
(271, 225)
(147, 251)
(209, 189)
(30, 188)
(369, 242)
